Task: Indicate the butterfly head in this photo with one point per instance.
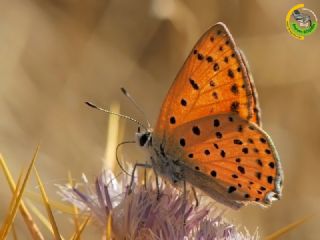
(144, 137)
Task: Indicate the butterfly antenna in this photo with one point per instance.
(117, 114)
(124, 91)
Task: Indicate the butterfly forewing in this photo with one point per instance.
(232, 152)
(255, 106)
(213, 80)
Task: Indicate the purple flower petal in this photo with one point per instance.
(139, 215)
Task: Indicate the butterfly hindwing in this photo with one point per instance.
(233, 153)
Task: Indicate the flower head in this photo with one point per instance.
(142, 214)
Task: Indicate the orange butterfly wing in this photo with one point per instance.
(214, 84)
(232, 152)
(213, 80)
(255, 107)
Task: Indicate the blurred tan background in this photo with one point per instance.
(54, 55)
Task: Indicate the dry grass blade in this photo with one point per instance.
(112, 136)
(48, 207)
(286, 229)
(75, 209)
(7, 222)
(32, 227)
(43, 219)
(109, 227)
(14, 232)
(76, 235)
(17, 198)
(65, 208)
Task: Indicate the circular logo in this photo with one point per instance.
(301, 21)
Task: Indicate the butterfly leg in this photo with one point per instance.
(157, 183)
(145, 165)
(145, 178)
(195, 196)
(184, 204)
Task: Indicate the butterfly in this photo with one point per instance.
(209, 133)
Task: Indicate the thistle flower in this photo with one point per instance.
(142, 215)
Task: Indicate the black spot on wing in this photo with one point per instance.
(259, 162)
(209, 59)
(237, 141)
(219, 135)
(200, 56)
(234, 89)
(230, 73)
(216, 67)
(271, 164)
(194, 85)
(232, 189)
(216, 122)
(234, 107)
(182, 142)
(183, 102)
(196, 130)
(172, 120)
(223, 153)
(213, 173)
(270, 179)
(241, 169)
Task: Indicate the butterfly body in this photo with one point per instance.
(166, 165)
(209, 131)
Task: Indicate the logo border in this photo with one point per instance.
(298, 6)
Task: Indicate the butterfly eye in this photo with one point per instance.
(143, 139)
